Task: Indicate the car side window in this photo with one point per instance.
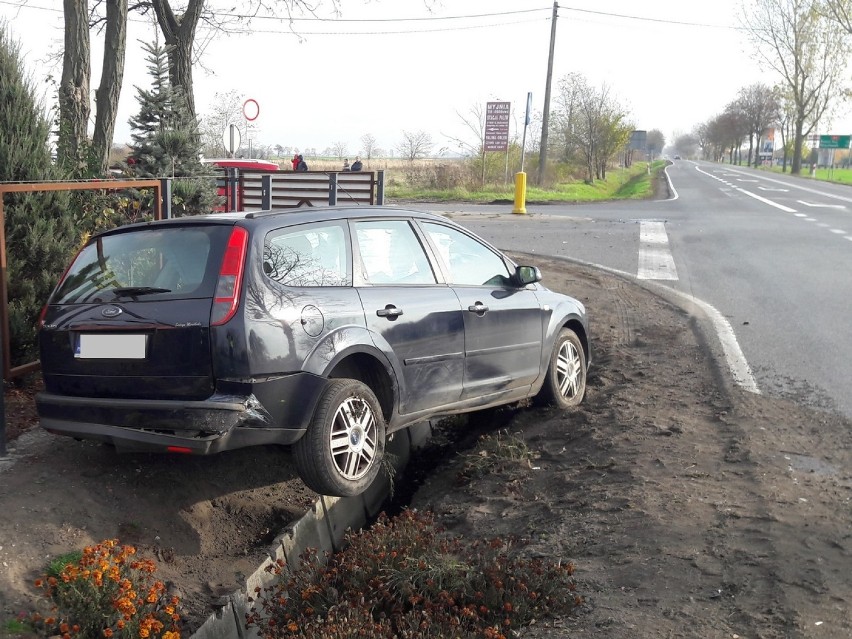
(392, 254)
(308, 255)
(470, 263)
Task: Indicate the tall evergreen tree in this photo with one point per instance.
(40, 231)
(165, 139)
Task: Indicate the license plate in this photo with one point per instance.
(115, 346)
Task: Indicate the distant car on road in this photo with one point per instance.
(677, 157)
(323, 329)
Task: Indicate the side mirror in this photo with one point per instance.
(527, 275)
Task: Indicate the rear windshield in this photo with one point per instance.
(150, 263)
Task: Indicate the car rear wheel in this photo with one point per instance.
(565, 383)
(341, 454)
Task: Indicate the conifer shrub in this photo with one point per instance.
(40, 232)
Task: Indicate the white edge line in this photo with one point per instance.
(671, 186)
(734, 357)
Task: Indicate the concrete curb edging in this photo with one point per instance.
(323, 527)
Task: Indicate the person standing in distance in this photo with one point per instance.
(301, 165)
(356, 165)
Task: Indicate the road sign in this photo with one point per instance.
(251, 109)
(834, 141)
(638, 140)
(231, 139)
(497, 126)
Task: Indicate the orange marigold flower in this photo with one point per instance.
(39, 583)
(107, 632)
(63, 628)
(292, 627)
(171, 635)
(50, 621)
(507, 606)
(51, 581)
(75, 628)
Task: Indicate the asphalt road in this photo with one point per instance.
(771, 252)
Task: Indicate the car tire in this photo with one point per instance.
(565, 382)
(342, 451)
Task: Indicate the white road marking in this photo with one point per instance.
(810, 219)
(769, 202)
(655, 258)
(734, 357)
(822, 206)
(749, 193)
(801, 215)
(838, 231)
(745, 180)
(766, 188)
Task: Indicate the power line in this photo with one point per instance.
(644, 19)
(420, 19)
(398, 32)
(472, 16)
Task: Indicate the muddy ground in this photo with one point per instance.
(690, 509)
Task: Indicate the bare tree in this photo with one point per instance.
(368, 144)
(415, 145)
(841, 12)
(226, 108)
(339, 149)
(474, 146)
(180, 28)
(759, 108)
(808, 50)
(596, 128)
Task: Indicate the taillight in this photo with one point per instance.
(227, 295)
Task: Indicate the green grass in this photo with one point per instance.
(632, 183)
(838, 176)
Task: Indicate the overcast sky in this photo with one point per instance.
(391, 65)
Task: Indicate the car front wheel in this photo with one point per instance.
(565, 383)
(341, 453)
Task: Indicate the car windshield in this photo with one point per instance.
(151, 262)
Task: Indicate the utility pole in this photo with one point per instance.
(545, 119)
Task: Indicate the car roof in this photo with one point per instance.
(292, 216)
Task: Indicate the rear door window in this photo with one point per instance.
(391, 254)
(308, 255)
(174, 262)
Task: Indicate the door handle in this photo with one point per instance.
(479, 308)
(390, 311)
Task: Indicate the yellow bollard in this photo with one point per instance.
(520, 193)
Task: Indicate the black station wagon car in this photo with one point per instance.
(323, 329)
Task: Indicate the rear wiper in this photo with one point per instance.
(133, 291)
